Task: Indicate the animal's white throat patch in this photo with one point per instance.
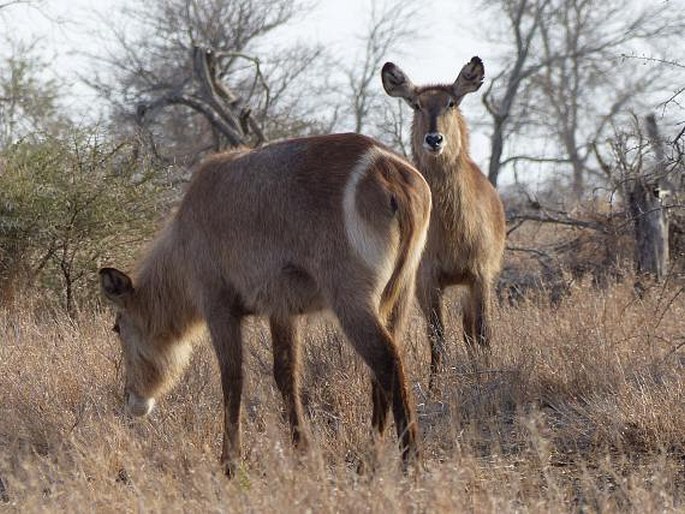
(432, 151)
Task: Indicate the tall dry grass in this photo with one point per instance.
(582, 410)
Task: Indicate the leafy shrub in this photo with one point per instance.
(66, 205)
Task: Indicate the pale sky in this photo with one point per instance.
(453, 34)
(437, 56)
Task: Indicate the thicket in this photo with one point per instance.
(68, 204)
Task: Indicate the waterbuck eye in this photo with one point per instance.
(451, 104)
(116, 328)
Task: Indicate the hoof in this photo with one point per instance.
(230, 468)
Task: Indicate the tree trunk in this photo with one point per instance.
(651, 230)
(497, 146)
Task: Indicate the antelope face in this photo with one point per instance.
(141, 375)
(437, 121)
(143, 378)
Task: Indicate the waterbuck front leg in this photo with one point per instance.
(430, 302)
(285, 342)
(225, 331)
(477, 322)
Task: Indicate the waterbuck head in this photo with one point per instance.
(150, 362)
(438, 123)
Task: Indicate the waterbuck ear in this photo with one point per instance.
(116, 286)
(397, 84)
(470, 78)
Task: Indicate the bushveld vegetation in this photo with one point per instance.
(581, 410)
(68, 202)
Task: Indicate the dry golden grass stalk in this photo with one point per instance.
(582, 410)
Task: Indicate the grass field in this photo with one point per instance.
(582, 410)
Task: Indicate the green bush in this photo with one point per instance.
(67, 204)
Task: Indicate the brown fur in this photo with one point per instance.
(467, 231)
(295, 227)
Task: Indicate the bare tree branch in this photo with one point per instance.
(561, 67)
(202, 55)
(10, 3)
(563, 219)
(389, 28)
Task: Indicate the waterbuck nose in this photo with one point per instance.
(434, 140)
(137, 405)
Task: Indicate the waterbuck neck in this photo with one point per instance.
(162, 291)
(450, 177)
(446, 173)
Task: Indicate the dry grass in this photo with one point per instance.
(583, 410)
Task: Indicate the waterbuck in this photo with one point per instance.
(297, 226)
(467, 228)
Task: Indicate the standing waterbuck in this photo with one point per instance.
(297, 226)
(467, 228)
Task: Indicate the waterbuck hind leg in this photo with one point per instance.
(379, 421)
(430, 302)
(396, 323)
(225, 331)
(381, 408)
(376, 346)
(285, 340)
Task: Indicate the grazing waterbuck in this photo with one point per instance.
(467, 228)
(329, 222)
